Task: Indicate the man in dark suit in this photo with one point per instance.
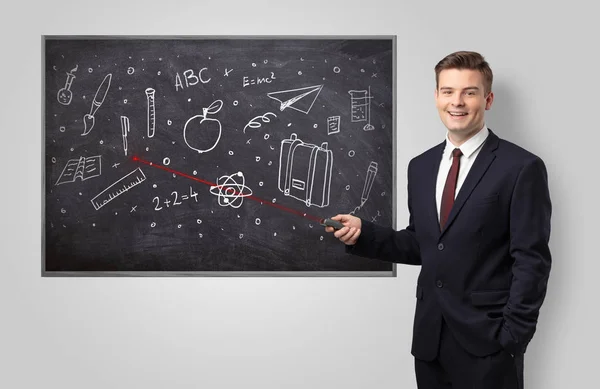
(479, 227)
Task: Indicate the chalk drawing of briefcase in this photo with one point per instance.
(305, 171)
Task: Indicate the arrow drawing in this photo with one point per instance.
(297, 98)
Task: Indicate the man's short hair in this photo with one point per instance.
(466, 60)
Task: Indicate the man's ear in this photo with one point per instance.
(489, 100)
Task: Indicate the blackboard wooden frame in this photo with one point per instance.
(198, 78)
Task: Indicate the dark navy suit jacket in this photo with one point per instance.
(486, 272)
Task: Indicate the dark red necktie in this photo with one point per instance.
(450, 188)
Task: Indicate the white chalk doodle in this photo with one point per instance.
(301, 99)
(369, 179)
(254, 124)
(151, 113)
(177, 199)
(374, 218)
(247, 81)
(124, 131)
(190, 79)
(305, 171)
(203, 135)
(118, 188)
(81, 168)
(360, 101)
(65, 95)
(88, 119)
(333, 125)
(231, 190)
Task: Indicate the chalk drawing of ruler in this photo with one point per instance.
(118, 188)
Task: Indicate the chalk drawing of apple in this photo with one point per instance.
(201, 132)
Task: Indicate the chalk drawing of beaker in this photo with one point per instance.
(360, 105)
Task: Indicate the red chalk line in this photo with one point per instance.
(280, 207)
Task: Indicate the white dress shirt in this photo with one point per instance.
(470, 150)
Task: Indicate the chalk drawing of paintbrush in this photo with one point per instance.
(88, 119)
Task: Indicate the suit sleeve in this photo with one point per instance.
(530, 212)
(385, 243)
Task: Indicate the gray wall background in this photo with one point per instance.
(301, 332)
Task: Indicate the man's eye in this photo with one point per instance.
(446, 92)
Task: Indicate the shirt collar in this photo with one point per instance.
(470, 146)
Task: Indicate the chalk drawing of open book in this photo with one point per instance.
(82, 168)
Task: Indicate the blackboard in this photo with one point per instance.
(214, 155)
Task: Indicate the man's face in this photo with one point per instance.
(461, 102)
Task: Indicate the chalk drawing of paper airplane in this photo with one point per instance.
(301, 99)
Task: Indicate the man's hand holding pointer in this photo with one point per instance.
(350, 232)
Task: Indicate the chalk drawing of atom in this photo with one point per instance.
(231, 190)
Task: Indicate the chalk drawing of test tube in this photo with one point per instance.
(151, 112)
(88, 119)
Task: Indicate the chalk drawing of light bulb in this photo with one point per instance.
(65, 95)
(201, 132)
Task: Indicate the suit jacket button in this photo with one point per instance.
(439, 283)
(440, 246)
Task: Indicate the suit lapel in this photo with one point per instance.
(434, 166)
(480, 166)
